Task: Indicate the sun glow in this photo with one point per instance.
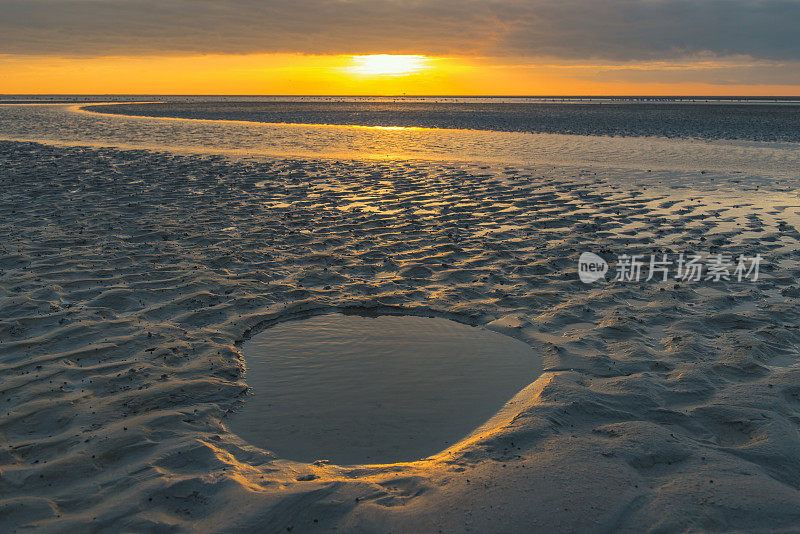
(388, 65)
(380, 74)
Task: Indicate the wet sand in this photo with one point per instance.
(130, 278)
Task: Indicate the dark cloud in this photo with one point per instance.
(769, 74)
(618, 30)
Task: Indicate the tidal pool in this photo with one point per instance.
(353, 389)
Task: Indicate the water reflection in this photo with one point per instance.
(67, 124)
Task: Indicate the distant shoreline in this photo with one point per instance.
(636, 99)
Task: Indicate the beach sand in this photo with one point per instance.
(129, 279)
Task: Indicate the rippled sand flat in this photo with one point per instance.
(129, 279)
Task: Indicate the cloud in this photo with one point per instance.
(615, 30)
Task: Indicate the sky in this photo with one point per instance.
(500, 47)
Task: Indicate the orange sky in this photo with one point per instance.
(381, 75)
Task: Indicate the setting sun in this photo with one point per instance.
(388, 65)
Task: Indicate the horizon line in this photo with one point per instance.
(403, 95)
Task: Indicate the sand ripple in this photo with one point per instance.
(128, 279)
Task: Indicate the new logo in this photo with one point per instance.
(591, 268)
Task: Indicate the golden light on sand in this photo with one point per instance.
(388, 65)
